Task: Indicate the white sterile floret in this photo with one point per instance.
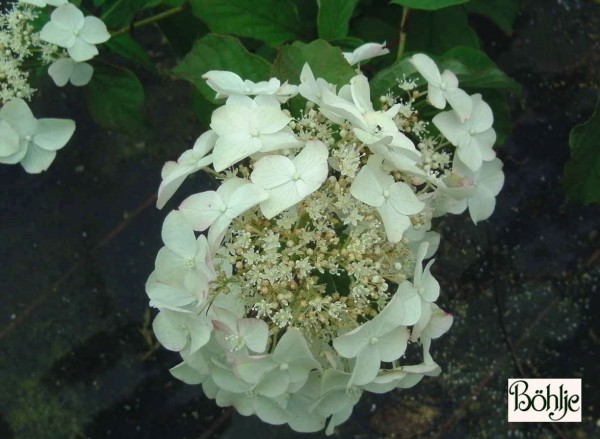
(289, 181)
(365, 52)
(486, 182)
(217, 209)
(312, 88)
(176, 330)
(184, 258)
(66, 70)
(473, 138)
(44, 3)
(384, 338)
(237, 333)
(246, 126)
(174, 173)
(376, 129)
(39, 139)
(442, 87)
(228, 83)
(68, 28)
(393, 200)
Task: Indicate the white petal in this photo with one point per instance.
(168, 331)
(187, 374)
(53, 134)
(37, 159)
(244, 198)
(279, 140)
(82, 51)
(481, 205)
(178, 236)
(404, 200)
(449, 125)
(482, 117)
(365, 52)
(68, 17)
(436, 97)
(272, 171)
(393, 344)
(361, 93)
(224, 82)
(430, 285)
(60, 71)
(18, 115)
(366, 188)
(394, 222)
(255, 333)
(231, 148)
(9, 140)
(94, 31)
(51, 33)
(350, 344)
(201, 210)
(427, 68)
(166, 296)
(491, 176)
(470, 154)
(367, 365)
(82, 74)
(461, 102)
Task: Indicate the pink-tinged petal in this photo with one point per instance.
(82, 74)
(82, 51)
(427, 68)
(18, 115)
(439, 323)
(53, 134)
(201, 210)
(37, 159)
(51, 33)
(94, 31)
(9, 140)
(68, 17)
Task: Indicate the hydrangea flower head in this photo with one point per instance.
(312, 284)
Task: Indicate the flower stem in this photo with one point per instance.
(150, 20)
(402, 43)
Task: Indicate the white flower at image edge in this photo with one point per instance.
(39, 139)
(43, 3)
(228, 83)
(68, 28)
(66, 70)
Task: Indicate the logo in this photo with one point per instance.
(544, 400)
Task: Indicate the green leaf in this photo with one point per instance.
(326, 62)
(115, 98)
(220, 52)
(476, 70)
(439, 31)
(334, 18)
(502, 12)
(387, 79)
(271, 21)
(582, 171)
(182, 30)
(128, 48)
(428, 5)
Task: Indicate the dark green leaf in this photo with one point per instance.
(373, 29)
(582, 171)
(181, 31)
(501, 12)
(115, 99)
(325, 61)
(271, 21)
(128, 48)
(220, 52)
(439, 31)
(428, 5)
(334, 18)
(476, 70)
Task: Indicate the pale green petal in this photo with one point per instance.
(367, 364)
(481, 205)
(81, 51)
(17, 114)
(51, 33)
(393, 344)
(68, 17)
(9, 140)
(53, 134)
(169, 331)
(268, 411)
(82, 74)
(274, 384)
(94, 31)
(37, 159)
(60, 71)
(186, 374)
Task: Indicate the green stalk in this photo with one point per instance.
(402, 42)
(150, 20)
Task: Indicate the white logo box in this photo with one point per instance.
(544, 400)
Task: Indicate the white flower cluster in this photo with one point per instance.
(25, 139)
(311, 284)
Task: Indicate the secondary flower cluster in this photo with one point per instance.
(65, 42)
(312, 283)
